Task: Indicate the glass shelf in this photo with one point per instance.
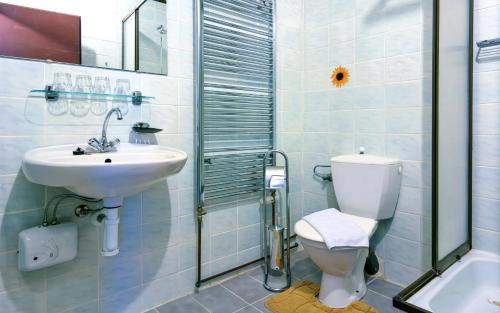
(51, 95)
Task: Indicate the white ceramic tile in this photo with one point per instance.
(341, 10)
(369, 97)
(401, 274)
(315, 58)
(316, 13)
(23, 77)
(341, 31)
(342, 99)
(341, 54)
(408, 121)
(407, 226)
(405, 147)
(372, 143)
(403, 251)
(290, 13)
(486, 240)
(486, 181)
(316, 101)
(66, 291)
(485, 214)
(370, 24)
(249, 237)
(223, 218)
(224, 244)
(486, 119)
(31, 298)
(406, 94)
(316, 38)
(485, 87)
(487, 150)
(18, 194)
(403, 68)
(370, 48)
(120, 273)
(370, 72)
(370, 121)
(163, 262)
(403, 41)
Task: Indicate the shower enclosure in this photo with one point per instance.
(144, 35)
(460, 280)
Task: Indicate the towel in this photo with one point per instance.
(337, 230)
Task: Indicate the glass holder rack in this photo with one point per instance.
(53, 95)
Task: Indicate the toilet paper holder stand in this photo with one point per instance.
(276, 262)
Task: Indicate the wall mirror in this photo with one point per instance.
(119, 34)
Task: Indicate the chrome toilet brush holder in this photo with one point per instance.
(276, 257)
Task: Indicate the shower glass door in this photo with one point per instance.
(451, 145)
(452, 134)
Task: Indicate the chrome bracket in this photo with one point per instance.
(324, 177)
(136, 98)
(51, 94)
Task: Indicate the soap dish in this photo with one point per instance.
(143, 128)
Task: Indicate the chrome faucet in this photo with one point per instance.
(103, 145)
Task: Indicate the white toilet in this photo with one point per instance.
(367, 189)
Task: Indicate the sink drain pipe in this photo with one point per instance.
(111, 223)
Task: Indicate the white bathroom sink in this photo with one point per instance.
(129, 170)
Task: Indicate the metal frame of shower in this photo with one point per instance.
(198, 116)
(440, 265)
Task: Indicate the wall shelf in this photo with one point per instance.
(52, 95)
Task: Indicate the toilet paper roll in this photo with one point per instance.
(277, 182)
(275, 177)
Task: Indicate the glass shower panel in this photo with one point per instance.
(453, 127)
(152, 52)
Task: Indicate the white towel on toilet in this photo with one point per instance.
(337, 230)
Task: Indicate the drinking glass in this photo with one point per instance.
(122, 88)
(62, 82)
(81, 107)
(103, 86)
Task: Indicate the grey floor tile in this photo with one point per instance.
(257, 273)
(186, 304)
(314, 277)
(247, 288)
(304, 267)
(385, 288)
(248, 309)
(381, 303)
(217, 299)
(260, 305)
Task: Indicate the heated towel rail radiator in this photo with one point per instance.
(235, 96)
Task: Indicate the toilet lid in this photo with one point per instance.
(305, 230)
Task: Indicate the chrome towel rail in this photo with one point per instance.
(236, 121)
(488, 43)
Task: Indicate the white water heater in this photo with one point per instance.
(43, 246)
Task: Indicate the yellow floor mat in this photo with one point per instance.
(301, 298)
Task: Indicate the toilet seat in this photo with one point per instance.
(306, 231)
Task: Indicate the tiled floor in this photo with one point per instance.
(245, 294)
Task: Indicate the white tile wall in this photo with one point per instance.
(486, 155)
(157, 258)
(384, 108)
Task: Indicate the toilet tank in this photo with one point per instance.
(366, 185)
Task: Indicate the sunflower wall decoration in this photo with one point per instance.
(340, 76)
